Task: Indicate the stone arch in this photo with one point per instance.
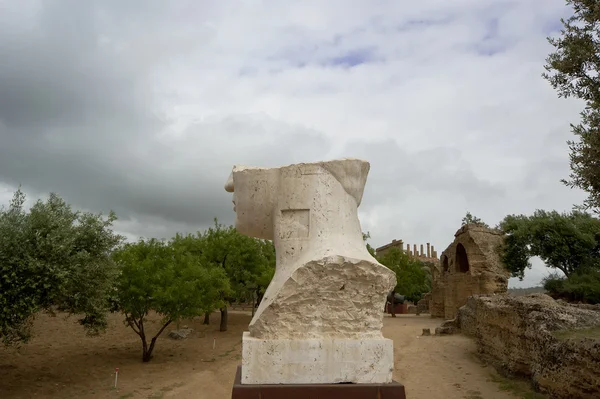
(462, 260)
(445, 266)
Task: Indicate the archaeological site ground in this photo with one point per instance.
(62, 362)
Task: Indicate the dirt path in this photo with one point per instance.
(61, 362)
(430, 367)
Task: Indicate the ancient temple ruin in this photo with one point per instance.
(429, 256)
(470, 265)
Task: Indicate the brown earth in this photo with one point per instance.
(62, 362)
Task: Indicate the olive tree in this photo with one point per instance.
(53, 258)
(573, 69)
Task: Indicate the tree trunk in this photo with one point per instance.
(206, 318)
(259, 297)
(252, 304)
(145, 355)
(394, 303)
(148, 353)
(223, 326)
(147, 350)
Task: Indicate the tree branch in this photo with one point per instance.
(563, 269)
(162, 329)
(129, 320)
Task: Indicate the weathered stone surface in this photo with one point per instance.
(423, 304)
(449, 327)
(332, 297)
(469, 266)
(538, 337)
(326, 284)
(316, 361)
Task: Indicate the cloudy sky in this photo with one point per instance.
(143, 107)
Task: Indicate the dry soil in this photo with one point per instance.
(62, 362)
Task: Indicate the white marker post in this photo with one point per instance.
(214, 343)
(116, 375)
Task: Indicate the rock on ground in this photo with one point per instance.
(180, 334)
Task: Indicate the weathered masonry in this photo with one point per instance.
(470, 265)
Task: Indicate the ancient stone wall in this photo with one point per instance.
(469, 266)
(423, 304)
(555, 344)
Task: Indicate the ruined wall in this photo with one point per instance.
(469, 266)
(555, 344)
(423, 304)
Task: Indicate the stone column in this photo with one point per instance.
(428, 250)
(415, 249)
(422, 252)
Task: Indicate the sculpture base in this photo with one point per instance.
(317, 361)
(392, 390)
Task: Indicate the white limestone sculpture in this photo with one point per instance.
(320, 319)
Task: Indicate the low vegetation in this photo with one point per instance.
(583, 333)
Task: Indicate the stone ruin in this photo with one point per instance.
(429, 256)
(554, 343)
(469, 266)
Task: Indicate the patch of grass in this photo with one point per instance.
(473, 395)
(161, 393)
(229, 352)
(591, 332)
(519, 388)
(126, 396)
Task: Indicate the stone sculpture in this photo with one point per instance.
(320, 319)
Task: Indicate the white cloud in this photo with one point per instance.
(448, 105)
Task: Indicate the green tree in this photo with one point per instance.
(366, 236)
(470, 219)
(248, 262)
(53, 258)
(569, 242)
(573, 69)
(169, 280)
(412, 278)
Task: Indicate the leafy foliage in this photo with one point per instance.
(413, 279)
(583, 286)
(170, 279)
(53, 258)
(565, 241)
(573, 69)
(470, 219)
(366, 236)
(248, 262)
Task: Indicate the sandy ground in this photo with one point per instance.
(62, 362)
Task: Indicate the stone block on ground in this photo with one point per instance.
(181, 333)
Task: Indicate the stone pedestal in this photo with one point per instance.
(392, 390)
(316, 361)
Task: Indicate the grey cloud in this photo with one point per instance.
(434, 171)
(81, 120)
